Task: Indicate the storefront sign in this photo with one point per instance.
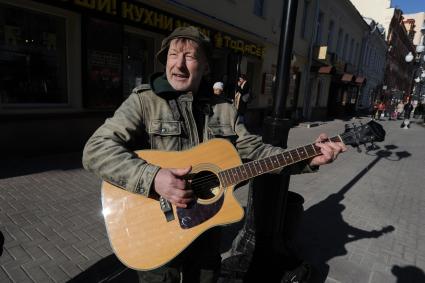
(153, 19)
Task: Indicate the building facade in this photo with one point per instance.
(334, 33)
(418, 25)
(372, 65)
(418, 20)
(381, 11)
(398, 73)
(67, 65)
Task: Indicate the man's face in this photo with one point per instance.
(186, 65)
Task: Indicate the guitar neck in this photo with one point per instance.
(255, 168)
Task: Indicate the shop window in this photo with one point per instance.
(319, 24)
(339, 43)
(352, 51)
(103, 84)
(138, 61)
(305, 19)
(319, 92)
(345, 50)
(259, 8)
(330, 34)
(32, 57)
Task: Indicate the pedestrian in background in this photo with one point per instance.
(380, 111)
(375, 110)
(242, 97)
(400, 108)
(408, 107)
(218, 90)
(393, 111)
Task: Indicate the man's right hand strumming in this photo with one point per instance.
(170, 184)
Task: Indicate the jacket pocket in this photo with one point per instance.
(165, 135)
(223, 131)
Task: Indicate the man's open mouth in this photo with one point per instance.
(181, 76)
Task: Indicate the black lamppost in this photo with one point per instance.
(268, 195)
(270, 192)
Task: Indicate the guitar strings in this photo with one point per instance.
(209, 178)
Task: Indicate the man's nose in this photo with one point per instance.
(180, 62)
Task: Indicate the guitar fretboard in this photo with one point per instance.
(255, 168)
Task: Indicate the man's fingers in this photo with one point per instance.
(180, 202)
(183, 193)
(327, 151)
(337, 147)
(180, 172)
(176, 199)
(322, 137)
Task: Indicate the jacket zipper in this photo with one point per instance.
(193, 131)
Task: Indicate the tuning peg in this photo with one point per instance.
(347, 127)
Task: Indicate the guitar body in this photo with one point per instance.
(139, 233)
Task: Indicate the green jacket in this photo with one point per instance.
(157, 117)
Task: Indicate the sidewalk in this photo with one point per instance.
(363, 218)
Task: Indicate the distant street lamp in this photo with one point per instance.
(418, 78)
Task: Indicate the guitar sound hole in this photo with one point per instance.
(205, 185)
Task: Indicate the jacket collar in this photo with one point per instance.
(162, 88)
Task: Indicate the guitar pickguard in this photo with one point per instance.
(198, 213)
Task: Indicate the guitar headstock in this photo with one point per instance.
(365, 133)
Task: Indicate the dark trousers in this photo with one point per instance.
(200, 262)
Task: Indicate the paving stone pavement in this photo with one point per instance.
(363, 221)
(364, 214)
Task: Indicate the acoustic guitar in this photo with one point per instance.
(146, 233)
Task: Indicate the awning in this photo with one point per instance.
(360, 80)
(326, 69)
(347, 77)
